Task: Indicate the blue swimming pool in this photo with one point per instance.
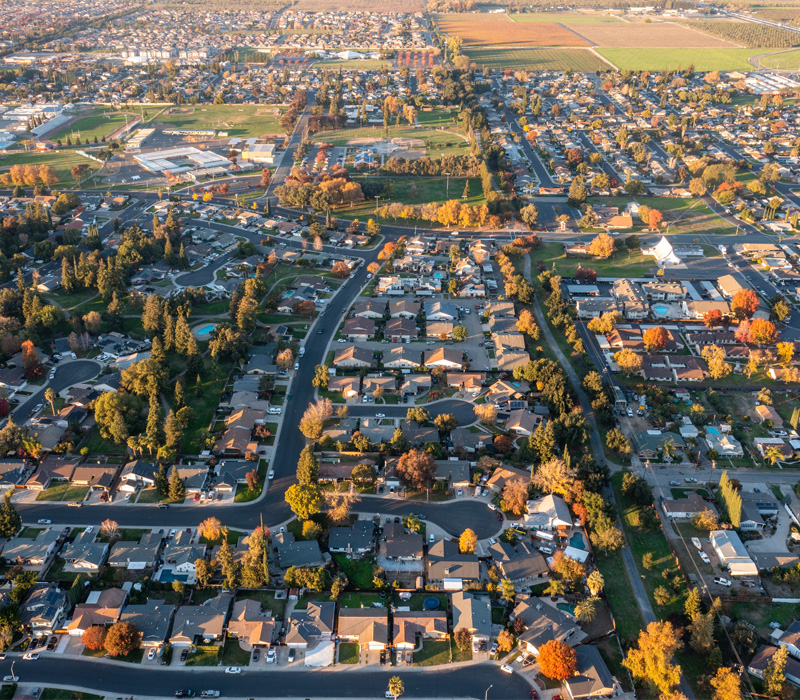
(712, 431)
(205, 330)
(660, 309)
(577, 541)
(566, 607)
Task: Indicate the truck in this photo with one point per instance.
(209, 694)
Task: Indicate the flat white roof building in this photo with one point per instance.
(181, 159)
(731, 552)
(259, 153)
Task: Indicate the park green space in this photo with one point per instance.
(360, 64)
(436, 142)
(622, 263)
(237, 120)
(672, 59)
(581, 60)
(98, 123)
(61, 160)
(787, 60)
(563, 17)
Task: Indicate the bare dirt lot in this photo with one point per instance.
(655, 35)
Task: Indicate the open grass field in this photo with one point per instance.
(564, 17)
(362, 64)
(61, 161)
(670, 59)
(500, 30)
(435, 141)
(663, 35)
(237, 120)
(97, 123)
(579, 60)
(620, 264)
(787, 60)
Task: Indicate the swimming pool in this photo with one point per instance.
(205, 330)
(566, 607)
(577, 541)
(660, 309)
(712, 431)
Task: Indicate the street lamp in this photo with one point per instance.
(486, 694)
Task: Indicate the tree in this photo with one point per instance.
(416, 468)
(445, 422)
(228, 565)
(304, 499)
(712, 318)
(203, 571)
(307, 466)
(775, 672)
(726, 684)
(177, 489)
(526, 324)
(418, 414)
(396, 686)
(341, 269)
(655, 338)
(586, 609)
(10, 520)
(463, 638)
(94, 638)
(654, 218)
(763, 332)
(706, 520)
(529, 215)
(322, 376)
(486, 413)
(577, 192)
(628, 361)
(557, 660)
(596, 582)
(701, 631)
(122, 639)
(651, 660)
(460, 334)
(606, 535)
(314, 417)
(505, 640)
(555, 476)
(364, 475)
(109, 528)
(515, 496)
(467, 542)
(714, 356)
(744, 304)
(602, 246)
(210, 529)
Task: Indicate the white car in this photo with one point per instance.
(380, 415)
(296, 366)
(90, 529)
(128, 496)
(151, 654)
(270, 656)
(704, 558)
(459, 492)
(271, 474)
(722, 581)
(30, 657)
(341, 340)
(233, 669)
(44, 521)
(506, 668)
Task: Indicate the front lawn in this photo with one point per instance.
(54, 493)
(233, 654)
(349, 653)
(244, 493)
(432, 654)
(204, 656)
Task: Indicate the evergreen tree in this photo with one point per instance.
(162, 482)
(10, 520)
(229, 567)
(307, 467)
(180, 402)
(169, 332)
(155, 417)
(67, 276)
(114, 312)
(544, 441)
(177, 489)
(577, 192)
(173, 433)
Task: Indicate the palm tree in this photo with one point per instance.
(50, 395)
(555, 588)
(596, 582)
(586, 610)
(413, 523)
(668, 448)
(396, 686)
(773, 454)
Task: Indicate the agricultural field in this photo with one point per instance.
(564, 17)
(500, 30)
(654, 35)
(671, 59)
(750, 34)
(786, 60)
(237, 120)
(358, 6)
(537, 59)
(97, 123)
(788, 15)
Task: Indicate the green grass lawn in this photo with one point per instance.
(237, 120)
(537, 59)
(349, 653)
(61, 161)
(126, 534)
(135, 657)
(356, 600)
(204, 406)
(54, 493)
(432, 654)
(30, 532)
(244, 494)
(69, 301)
(789, 60)
(204, 656)
(98, 445)
(233, 654)
(619, 594)
(434, 141)
(417, 599)
(460, 654)
(363, 64)
(629, 264)
(101, 122)
(671, 59)
(358, 571)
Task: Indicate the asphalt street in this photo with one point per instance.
(67, 374)
(462, 411)
(108, 678)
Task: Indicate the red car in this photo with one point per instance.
(534, 695)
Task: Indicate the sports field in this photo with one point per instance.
(61, 161)
(448, 142)
(671, 59)
(565, 17)
(537, 59)
(789, 60)
(237, 120)
(654, 35)
(500, 30)
(97, 123)
(362, 64)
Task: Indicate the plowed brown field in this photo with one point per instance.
(499, 30)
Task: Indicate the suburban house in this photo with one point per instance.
(686, 508)
(732, 553)
(523, 422)
(761, 660)
(101, 608)
(347, 386)
(548, 513)
(293, 553)
(725, 445)
(367, 626)
(311, 626)
(450, 569)
(521, 564)
(401, 551)
(354, 356)
(403, 357)
(84, 553)
(358, 329)
(135, 555)
(444, 357)
(153, 619)
(410, 626)
(502, 475)
(474, 613)
(44, 610)
(543, 622)
(205, 621)
(592, 678)
(32, 552)
(355, 541)
(251, 625)
(180, 556)
(137, 474)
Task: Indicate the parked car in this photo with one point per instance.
(506, 668)
(184, 654)
(270, 656)
(255, 654)
(184, 693)
(209, 693)
(704, 558)
(674, 483)
(271, 474)
(233, 669)
(291, 656)
(44, 521)
(151, 654)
